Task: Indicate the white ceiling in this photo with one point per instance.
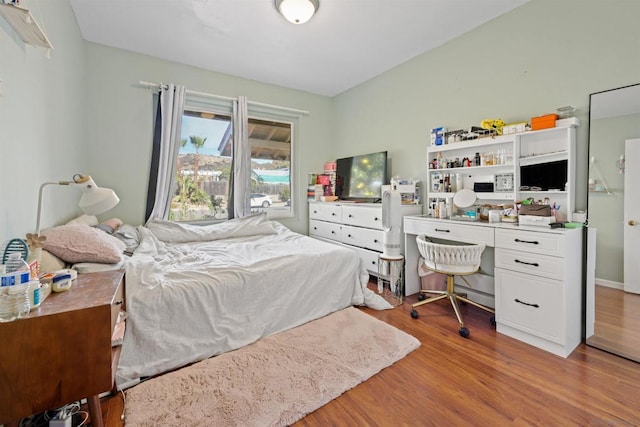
(346, 43)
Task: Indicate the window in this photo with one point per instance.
(204, 164)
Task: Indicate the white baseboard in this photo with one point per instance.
(609, 283)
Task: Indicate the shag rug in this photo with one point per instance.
(274, 381)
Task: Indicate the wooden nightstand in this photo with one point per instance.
(62, 351)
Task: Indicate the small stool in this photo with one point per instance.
(391, 279)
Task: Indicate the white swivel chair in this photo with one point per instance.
(451, 260)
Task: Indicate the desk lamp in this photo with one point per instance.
(95, 200)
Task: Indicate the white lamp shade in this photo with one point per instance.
(95, 201)
(297, 11)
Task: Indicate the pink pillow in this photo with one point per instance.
(81, 243)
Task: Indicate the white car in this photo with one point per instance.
(260, 200)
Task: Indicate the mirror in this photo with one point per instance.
(613, 245)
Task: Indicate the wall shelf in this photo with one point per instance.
(25, 25)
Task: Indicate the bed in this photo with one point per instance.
(193, 292)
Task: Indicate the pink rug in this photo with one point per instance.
(275, 381)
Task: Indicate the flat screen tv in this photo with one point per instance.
(361, 177)
(545, 176)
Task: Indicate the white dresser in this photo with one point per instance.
(538, 278)
(536, 271)
(358, 225)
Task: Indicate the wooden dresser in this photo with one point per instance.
(62, 351)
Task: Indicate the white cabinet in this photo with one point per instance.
(509, 165)
(358, 225)
(538, 282)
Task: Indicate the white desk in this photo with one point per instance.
(536, 273)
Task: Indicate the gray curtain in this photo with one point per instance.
(170, 115)
(241, 159)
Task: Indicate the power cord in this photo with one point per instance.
(124, 402)
(61, 413)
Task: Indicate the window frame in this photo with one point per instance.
(201, 104)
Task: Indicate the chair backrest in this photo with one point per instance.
(462, 258)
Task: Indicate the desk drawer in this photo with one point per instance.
(362, 237)
(531, 241)
(531, 304)
(449, 230)
(328, 230)
(531, 263)
(117, 304)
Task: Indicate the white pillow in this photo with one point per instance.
(89, 220)
(80, 243)
(173, 232)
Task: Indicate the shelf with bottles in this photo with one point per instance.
(495, 195)
(473, 143)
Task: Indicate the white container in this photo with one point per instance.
(536, 220)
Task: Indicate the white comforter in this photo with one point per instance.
(207, 293)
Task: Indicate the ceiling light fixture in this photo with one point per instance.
(297, 11)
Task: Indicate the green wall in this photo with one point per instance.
(41, 115)
(119, 120)
(606, 211)
(543, 55)
(81, 110)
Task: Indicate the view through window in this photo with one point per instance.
(204, 162)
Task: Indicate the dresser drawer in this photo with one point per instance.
(327, 230)
(369, 259)
(449, 230)
(362, 237)
(362, 216)
(531, 304)
(531, 241)
(531, 263)
(325, 212)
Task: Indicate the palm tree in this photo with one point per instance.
(183, 142)
(198, 143)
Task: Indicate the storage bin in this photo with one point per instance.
(544, 122)
(536, 220)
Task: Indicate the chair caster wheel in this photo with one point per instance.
(492, 319)
(464, 332)
(414, 314)
(422, 297)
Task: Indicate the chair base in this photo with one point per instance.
(453, 298)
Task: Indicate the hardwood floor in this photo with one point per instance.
(486, 380)
(617, 322)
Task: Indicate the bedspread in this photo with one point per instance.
(188, 301)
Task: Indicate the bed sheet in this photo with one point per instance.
(190, 301)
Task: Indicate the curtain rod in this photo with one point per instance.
(226, 98)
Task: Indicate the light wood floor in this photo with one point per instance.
(486, 380)
(617, 322)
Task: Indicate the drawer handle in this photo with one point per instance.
(333, 214)
(535, 264)
(350, 216)
(533, 242)
(443, 230)
(373, 263)
(375, 240)
(315, 212)
(333, 232)
(526, 303)
(376, 219)
(348, 235)
(119, 302)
